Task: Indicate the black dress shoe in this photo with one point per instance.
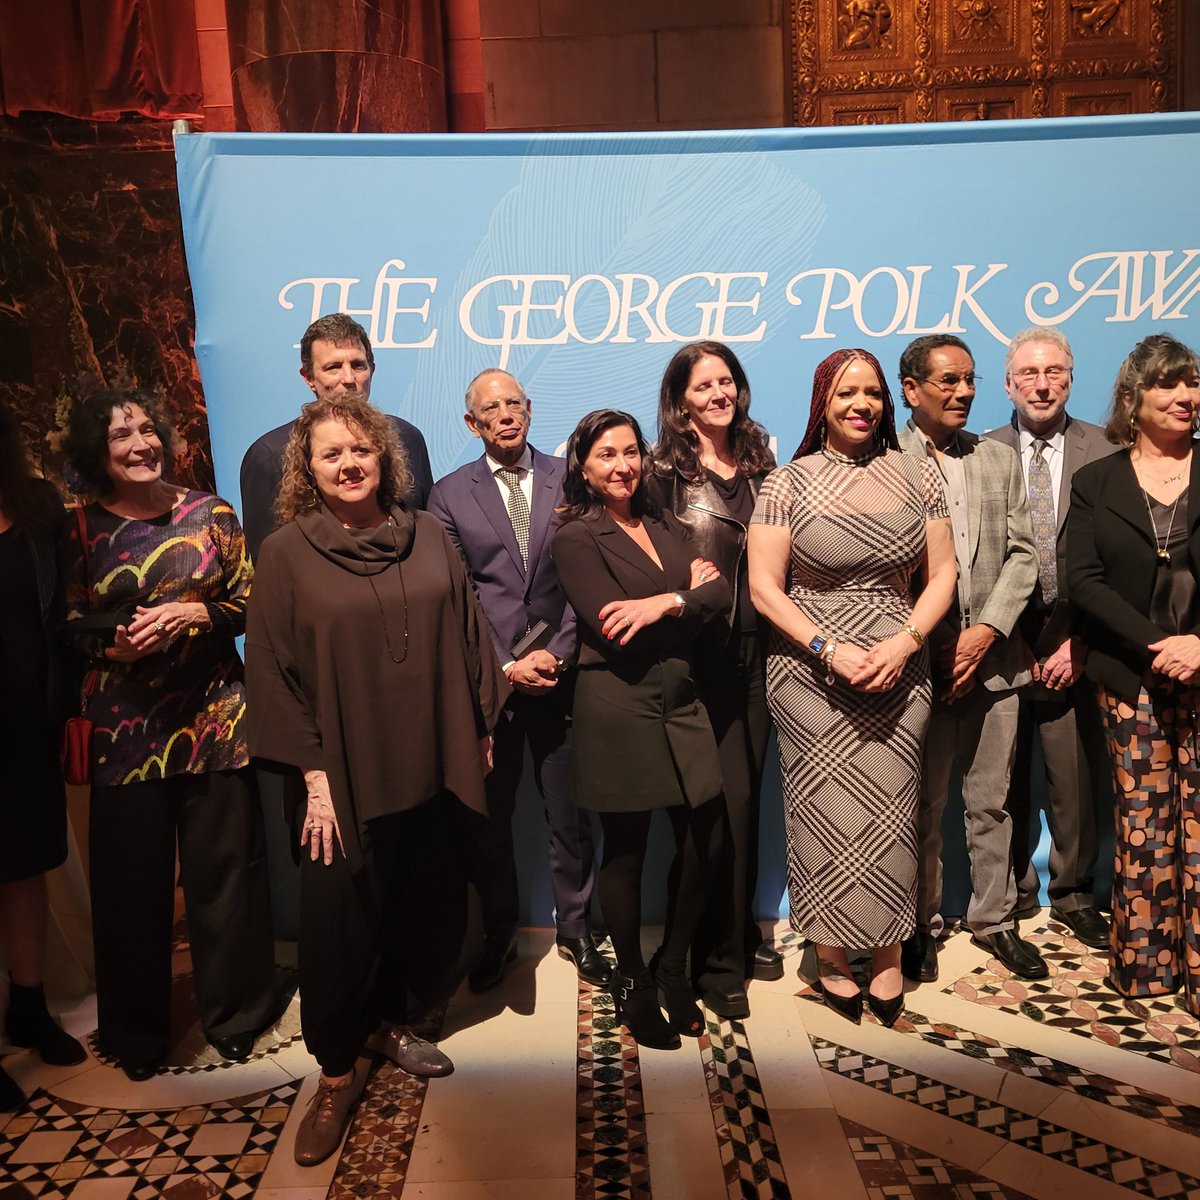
(918, 957)
(767, 962)
(731, 1003)
(498, 952)
(234, 1048)
(1021, 958)
(886, 1011)
(849, 1007)
(1086, 925)
(590, 964)
(139, 1072)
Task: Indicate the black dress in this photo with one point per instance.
(32, 800)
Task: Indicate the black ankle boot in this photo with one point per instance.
(636, 1002)
(29, 1023)
(679, 999)
(11, 1096)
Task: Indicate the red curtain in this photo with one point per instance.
(99, 59)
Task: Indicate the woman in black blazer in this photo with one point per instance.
(642, 736)
(1133, 554)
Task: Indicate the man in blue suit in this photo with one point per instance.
(499, 512)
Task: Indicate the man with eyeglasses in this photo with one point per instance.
(977, 657)
(499, 512)
(1058, 703)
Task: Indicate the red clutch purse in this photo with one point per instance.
(77, 750)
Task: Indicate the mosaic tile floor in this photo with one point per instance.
(987, 1089)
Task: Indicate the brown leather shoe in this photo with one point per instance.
(411, 1052)
(324, 1125)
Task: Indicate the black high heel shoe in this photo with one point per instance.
(849, 1007)
(636, 1002)
(886, 1011)
(683, 1013)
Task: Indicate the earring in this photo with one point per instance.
(1133, 428)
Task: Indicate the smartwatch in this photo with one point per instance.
(818, 644)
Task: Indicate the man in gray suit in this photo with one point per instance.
(1057, 703)
(977, 655)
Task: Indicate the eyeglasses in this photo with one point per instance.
(1027, 376)
(949, 383)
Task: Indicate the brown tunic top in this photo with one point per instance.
(329, 615)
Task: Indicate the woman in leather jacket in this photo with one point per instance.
(709, 463)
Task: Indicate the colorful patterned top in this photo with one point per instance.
(180, 709)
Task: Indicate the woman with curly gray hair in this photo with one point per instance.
(370, 672)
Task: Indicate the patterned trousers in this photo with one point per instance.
(1152, 741)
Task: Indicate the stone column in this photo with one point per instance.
(343, 66)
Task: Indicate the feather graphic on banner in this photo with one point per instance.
(611, 215)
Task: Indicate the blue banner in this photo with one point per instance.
(580, 262)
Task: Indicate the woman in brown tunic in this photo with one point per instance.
(368, 672)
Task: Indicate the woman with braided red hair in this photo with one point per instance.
(841, 541)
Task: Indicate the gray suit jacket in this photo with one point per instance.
(1083, 443)
(1002, 553)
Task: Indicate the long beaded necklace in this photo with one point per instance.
(369, 576)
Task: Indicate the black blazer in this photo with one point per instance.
(598, 562)
(262, 473)
(1111, 567)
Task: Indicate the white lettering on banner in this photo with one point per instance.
(385, 307)
(654, 310)
(907, 299)
(551, 310)
(1125, 274)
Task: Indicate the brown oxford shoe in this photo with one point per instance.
(412, 1053)
(324, 1125)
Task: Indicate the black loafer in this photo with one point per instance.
(919, 957)
(767, 963)
(1086, 925)
(498, 952)
(234, 1048)
(591, 966)
(1021, 958)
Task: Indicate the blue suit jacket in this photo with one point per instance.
(469, 505)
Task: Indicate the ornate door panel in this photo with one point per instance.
(881, 61)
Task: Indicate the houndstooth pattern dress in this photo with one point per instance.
(850, 760)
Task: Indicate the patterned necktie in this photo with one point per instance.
(1045, 528)
(518, 509)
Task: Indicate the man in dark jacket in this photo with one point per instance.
(335, 352)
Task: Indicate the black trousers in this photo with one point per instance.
(382, 943)
(545, 723)
(733, 684)
(215, 821)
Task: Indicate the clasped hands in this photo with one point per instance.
(626, 617)
(152, 629)
(877, 669)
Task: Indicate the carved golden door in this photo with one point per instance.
(858, 62)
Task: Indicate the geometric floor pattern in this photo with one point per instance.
(1052, 1141)
(1076, 997)
(749, 1154)
(611, 1158)
(892, 1170)
(56, 1148)
(987, 1088)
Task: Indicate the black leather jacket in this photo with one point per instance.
(718, 536)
